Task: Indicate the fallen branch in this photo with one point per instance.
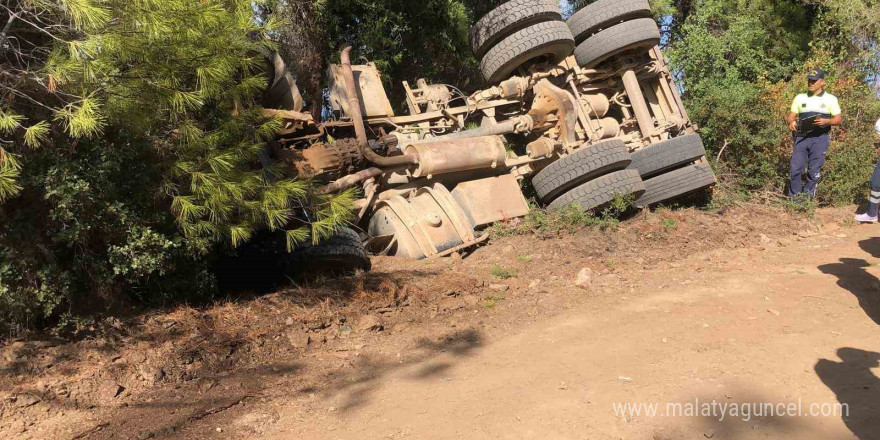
(724, 147)
(219, 409)
(91, 431)
(12, 17)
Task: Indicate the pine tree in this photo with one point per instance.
(132, 152)
(188, 76)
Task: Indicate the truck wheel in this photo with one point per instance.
(508, 18)
(549, 40)
(342, 253)
(605, 13)
(676, 183)
(666, 155)
(642, 33)
(580, 166)
(601, 191)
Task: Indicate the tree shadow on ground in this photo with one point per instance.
(223, 341)
(355, 389)
(853, 277)
(176, 410)
(857, 387)
(206, 327)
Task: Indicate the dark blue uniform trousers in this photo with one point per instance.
(874, 201)
(809, 155)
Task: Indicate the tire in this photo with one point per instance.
(339, 254)
(601, 191)
(676, 183)
(605, 13)
(551, 39)
(582, 165)
(264, 264)
(508, 18)
(658, 158)
(641, 33)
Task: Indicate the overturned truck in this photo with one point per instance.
(584, 110)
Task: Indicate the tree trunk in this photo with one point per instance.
(304, 48)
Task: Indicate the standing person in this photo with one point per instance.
(874, 200)
(811, 118)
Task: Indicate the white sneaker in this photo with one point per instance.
(865, 218)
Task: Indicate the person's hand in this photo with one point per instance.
(823, 122)
(793, 126)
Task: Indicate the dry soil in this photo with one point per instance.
(752, 305)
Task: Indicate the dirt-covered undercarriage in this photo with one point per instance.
(584, 110)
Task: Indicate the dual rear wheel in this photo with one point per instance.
(522, 33)
(593, 176)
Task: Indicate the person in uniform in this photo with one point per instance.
(874, 200)
(811, 118)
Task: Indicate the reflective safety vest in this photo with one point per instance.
(824, 105)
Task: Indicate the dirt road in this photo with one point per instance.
(732, 309)
(779, 326)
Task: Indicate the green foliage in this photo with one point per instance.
(133, 154)
(742, 63)
(569, 219)
(802, 204)
(406, 39)
(727, 195)
(10, 170)
(88, 231)
(727, 57)
(492, 301)
(503, 273)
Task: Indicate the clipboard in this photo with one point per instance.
(806, 125)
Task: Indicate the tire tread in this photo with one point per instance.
(609, 42)
(584, 164)
(655, 159)
(508, 18)
(676, 183)
(346, 243)
(604, 13)
(535, 40)
(603, 190)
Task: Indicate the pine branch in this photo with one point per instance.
(39, 28)
(25, 96)
(5, 32)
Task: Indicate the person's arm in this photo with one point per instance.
(793, 115)
(792, 121)
(833, 122)
(836, 116)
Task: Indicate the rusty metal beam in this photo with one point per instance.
(637, 100)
